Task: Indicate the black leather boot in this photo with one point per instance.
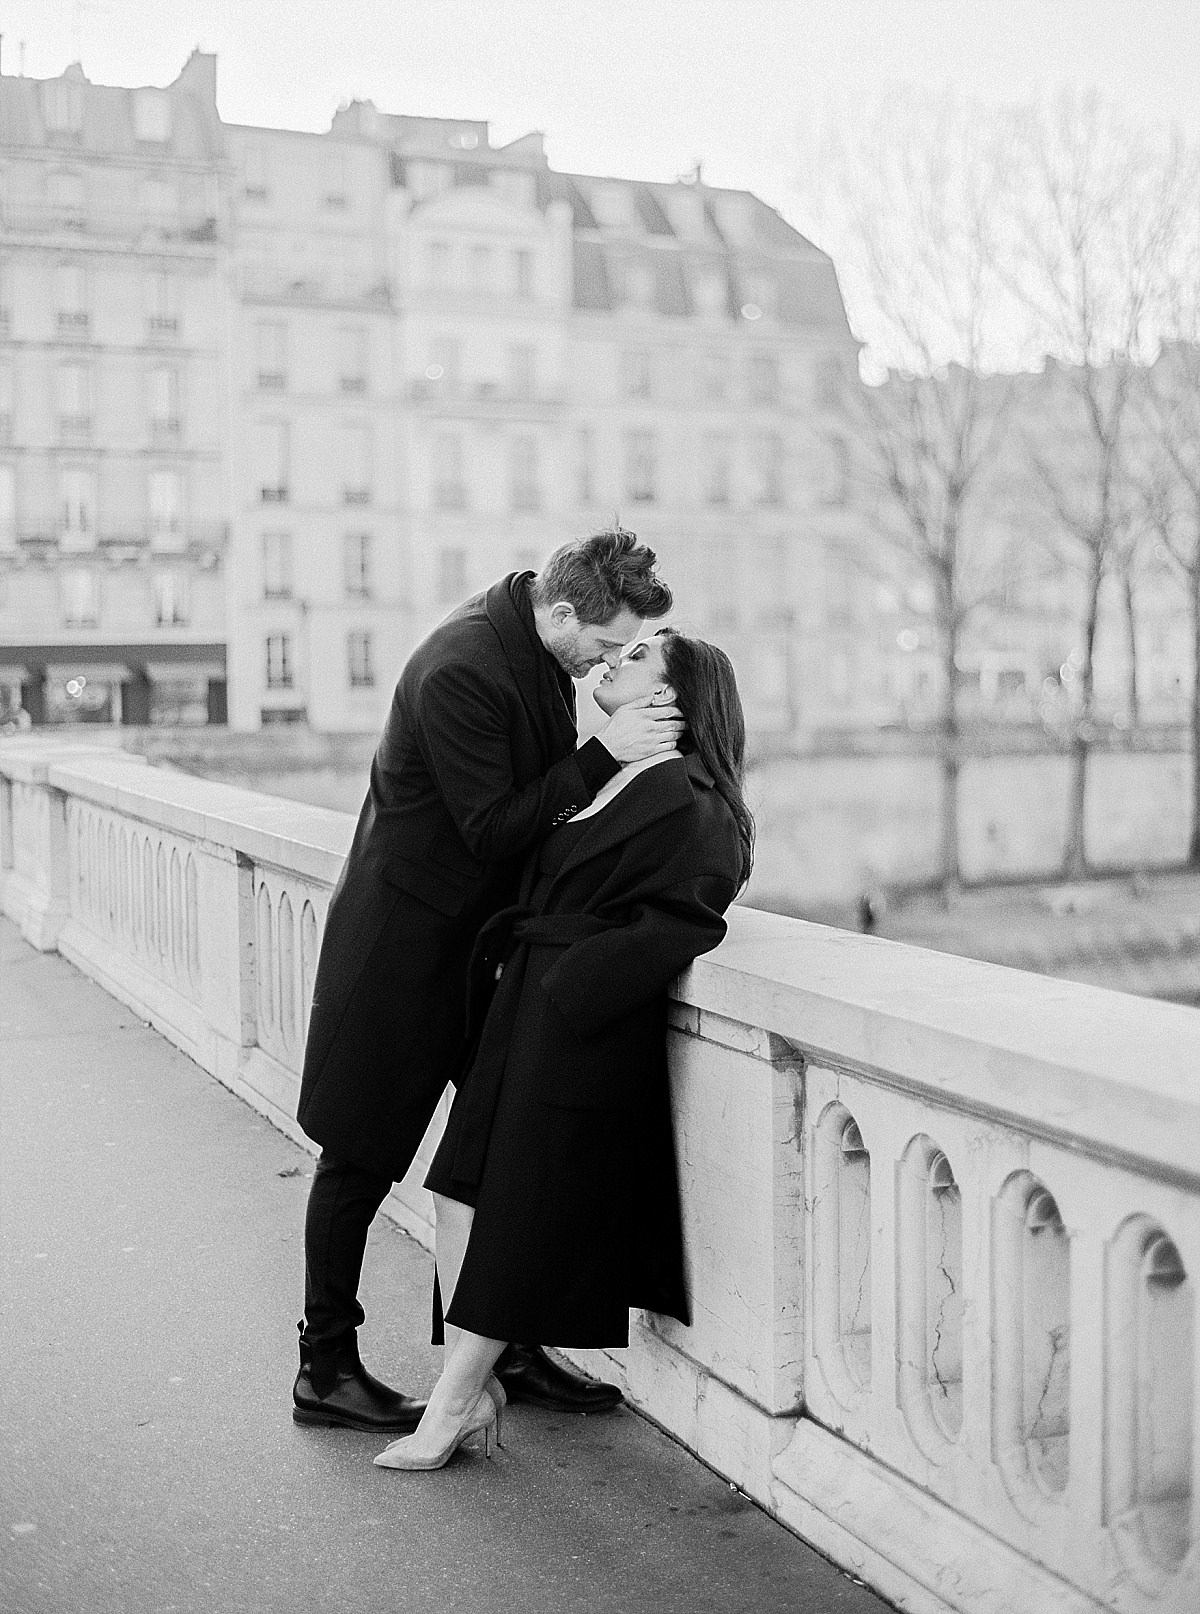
(335, 1388)
(528, 1374)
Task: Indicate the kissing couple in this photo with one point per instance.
(511, 913)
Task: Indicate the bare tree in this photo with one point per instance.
(1169, 401)
(1098, 206)
(911, 208)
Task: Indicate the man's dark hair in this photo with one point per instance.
(601, 575)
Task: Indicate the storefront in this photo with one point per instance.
(134, 685)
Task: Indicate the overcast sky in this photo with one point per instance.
(632, 87)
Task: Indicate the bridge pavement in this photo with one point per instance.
(150, 1253)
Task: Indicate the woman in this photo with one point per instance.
(555, 1182)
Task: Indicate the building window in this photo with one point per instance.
(428, 179)
(336, 188)
(445, 363)
(356, 463)
(255, 187)
(352, 346)
(641, 467)
(764, 378)
(830, 379)
(8, 506)
(159, 201)
(641, 285)
(522, 370)
(479, 267)
(525, 494)
(272, 457)
(768, 469)
(842, 587)
(164, 403)
(279, 661)
(62, 105)
(277, 565)
(172, 599)
(166, 509)
(718, 460)
(452, 576)
(70, 285)
(162, 306)
(437, 265)
(714, 377)
(270, 348)
(68, 200)
(77, 508)
(80, 598)
(357, 565)
(7, 407)
(585, 463)
(74, 402)
(522, 261)
(152, 116)
(836, 488)
(514, 186)
(361, 661)
(449, 489)
(635, 373)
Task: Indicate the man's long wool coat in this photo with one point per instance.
(477, 762)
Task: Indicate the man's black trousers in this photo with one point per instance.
(342, 1204)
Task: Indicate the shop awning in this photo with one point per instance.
(96, 672)
(174, 672)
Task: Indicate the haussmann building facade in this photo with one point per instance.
(274, 401)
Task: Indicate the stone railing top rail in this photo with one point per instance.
(311, 841)
(1114, 1076)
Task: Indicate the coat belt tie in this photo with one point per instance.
(503, 948)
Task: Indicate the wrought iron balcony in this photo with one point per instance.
(314, 286)
(131, 227)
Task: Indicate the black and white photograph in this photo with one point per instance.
(599, 807)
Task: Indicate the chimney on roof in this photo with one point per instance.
(199, 75)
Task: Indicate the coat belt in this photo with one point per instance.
(503, 946)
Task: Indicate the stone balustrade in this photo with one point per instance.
(943, 1218)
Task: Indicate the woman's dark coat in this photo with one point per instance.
(476, 763)
(564, 1119)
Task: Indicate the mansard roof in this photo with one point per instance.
(106, 122)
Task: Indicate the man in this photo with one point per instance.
(476, 763)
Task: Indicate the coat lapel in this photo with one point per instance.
(668, 787)
(550, 708)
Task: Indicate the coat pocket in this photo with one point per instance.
(428, 885)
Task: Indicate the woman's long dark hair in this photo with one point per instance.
(707, 693)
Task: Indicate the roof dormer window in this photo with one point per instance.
(62, 104)
(152, 116)
(613, 206)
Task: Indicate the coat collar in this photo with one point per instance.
(668, 788)
(547, 694)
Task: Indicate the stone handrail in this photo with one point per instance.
(942, 1218)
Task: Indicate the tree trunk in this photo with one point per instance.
(1194, 838)
(949, 737)
(1075, 851)
(1132, 702)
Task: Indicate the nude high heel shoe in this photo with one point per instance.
(480, 1416)
(496, 1390)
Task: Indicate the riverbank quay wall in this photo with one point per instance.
(839, 813)
(942, 1218)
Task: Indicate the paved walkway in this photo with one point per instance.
(150, 1234)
